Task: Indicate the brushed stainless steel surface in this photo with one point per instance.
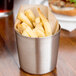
(38, 55)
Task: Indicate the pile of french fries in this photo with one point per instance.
(31, 26)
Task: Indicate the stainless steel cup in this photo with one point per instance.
(38, 55)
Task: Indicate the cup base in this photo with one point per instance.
(37, 73)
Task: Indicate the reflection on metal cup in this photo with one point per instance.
(38, 55)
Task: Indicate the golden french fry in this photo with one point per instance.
(17, 22)
(37, 20)
(24, 18)
(19, 28)
(34, 31)
(24, 25)
(46, 24)
(30, 32)
(57, 27)
(39, 26)
(30, 15)
(25, 34)
(38, 32)
(34, 24)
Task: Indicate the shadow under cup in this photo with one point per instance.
(38, 55)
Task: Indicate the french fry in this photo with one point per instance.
(19, 28)
(39, 26)
(46, 24)
(38, 32)
(24, 18)
(25, 34)
(34, 24)
(57, 27)
(17, 22)
(30, 15)
(30, 32)
(34, 31)
(24, 25)
(30, 26)
(37, 20)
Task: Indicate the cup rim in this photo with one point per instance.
(38, 37)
